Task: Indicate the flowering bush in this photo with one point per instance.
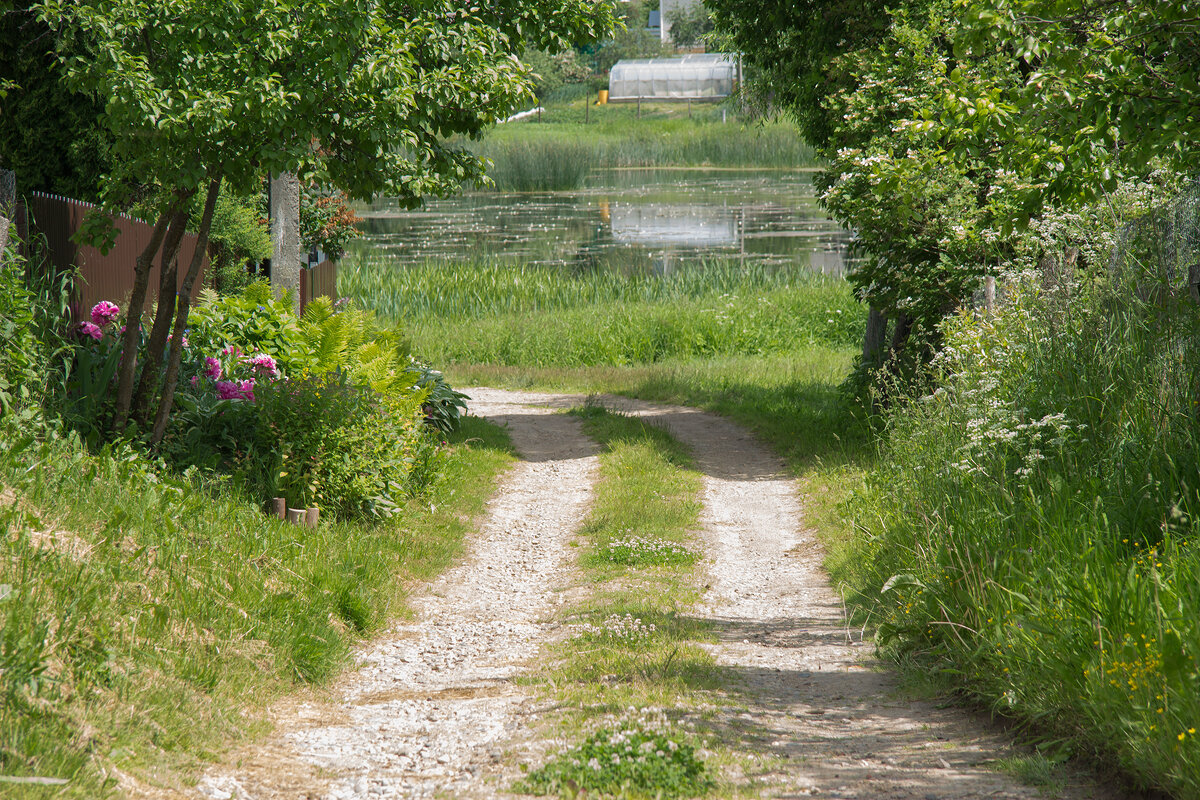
(638, 756)
(96, 358)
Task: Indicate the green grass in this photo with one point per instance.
(141, 614)
(560, 150)
(1031, 529)
(635, 645)
(500, 314)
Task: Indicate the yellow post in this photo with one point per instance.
(603, 98)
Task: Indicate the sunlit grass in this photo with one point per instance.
(147, 622)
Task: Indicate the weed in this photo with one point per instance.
(638, 551)
(638, 757)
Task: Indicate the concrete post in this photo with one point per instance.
(285, 236)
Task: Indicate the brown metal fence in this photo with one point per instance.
(101, 276)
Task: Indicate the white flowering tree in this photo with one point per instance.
(948, 124)
(362, 95)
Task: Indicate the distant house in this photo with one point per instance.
(654, 25)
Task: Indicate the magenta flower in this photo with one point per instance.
(212, 368)
(103, 313)
(91, 329)
(236, 390)
(265, 364)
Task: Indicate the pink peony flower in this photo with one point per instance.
(91, 329)
(104, 312)
(265, 364)
(212, 368)
(195, 380)
(236, 390)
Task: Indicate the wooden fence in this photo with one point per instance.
(109, 276)
(100, 276)
(318, 281)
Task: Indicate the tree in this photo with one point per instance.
(49, 135)
(1105, 87)
(689, 25)
(357, 94)
(788, 48)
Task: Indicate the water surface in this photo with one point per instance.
(656, 219)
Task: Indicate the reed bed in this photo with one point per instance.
(531, 156)
(495, 286)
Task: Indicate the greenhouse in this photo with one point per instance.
(702, 76)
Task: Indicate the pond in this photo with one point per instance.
(631, 219)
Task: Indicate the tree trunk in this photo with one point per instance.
(182, 306)
(133, 314)
(873, 338)
(8, 202)
(900, 335)
(163, 315)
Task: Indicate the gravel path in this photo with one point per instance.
(433, 701)
(433, 706)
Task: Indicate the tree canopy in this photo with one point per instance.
(948, 124)
(362, 95)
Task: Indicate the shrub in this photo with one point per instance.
(323, 441)
(251, 321)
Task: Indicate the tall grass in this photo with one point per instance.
(558, 155)
(502, 313)
(1033, 527)
(489, 287)
(139, 614)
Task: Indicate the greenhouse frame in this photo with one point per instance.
(699, 76)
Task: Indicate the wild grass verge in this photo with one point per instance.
(141, 611)
(1031, 529)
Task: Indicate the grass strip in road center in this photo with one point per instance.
(634, 649)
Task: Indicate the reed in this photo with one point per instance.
(533, 156)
